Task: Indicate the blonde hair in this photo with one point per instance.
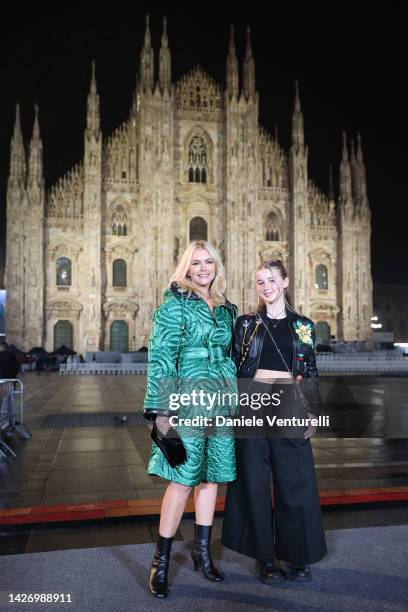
(270, 265)
(217, 286)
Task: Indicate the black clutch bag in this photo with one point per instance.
(171, 446)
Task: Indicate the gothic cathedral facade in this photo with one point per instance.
(87, 262)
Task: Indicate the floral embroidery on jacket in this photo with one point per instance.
(304, 331)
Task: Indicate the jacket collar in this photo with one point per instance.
(191, 295)
(184, 293)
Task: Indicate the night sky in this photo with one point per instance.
(350, 63)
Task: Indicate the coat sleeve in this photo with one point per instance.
(164, 346)
(311, 384)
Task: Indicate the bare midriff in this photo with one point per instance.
(270, 376)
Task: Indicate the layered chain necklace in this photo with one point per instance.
(274, 325)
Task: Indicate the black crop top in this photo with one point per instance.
(270, 358)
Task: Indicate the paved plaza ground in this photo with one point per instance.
(79, 454)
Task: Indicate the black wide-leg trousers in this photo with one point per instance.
(292, 529)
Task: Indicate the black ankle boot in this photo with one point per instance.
(201, 554)
(299, 572)
(160, 567)
(268, 573)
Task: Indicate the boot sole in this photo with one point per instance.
(299, 578)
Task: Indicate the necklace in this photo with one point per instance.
(269, 315)
(274, 325)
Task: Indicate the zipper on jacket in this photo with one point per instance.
(211, 312)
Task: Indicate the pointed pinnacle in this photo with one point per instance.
(147, 32)
(297, 97)
(345, 149)
(248, 51)
(164, 39)
(359, 148)
(93, 78)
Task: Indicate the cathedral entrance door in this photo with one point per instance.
(322, 332)
(119, 337)
(63, 334)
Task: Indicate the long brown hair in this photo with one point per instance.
(269, 265)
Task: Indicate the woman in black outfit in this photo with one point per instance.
(274, 352)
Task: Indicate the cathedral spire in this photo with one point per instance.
(353, 153)
(361, 172)
(344, 156)
(93, 80)
(17, 134)
(355, 172)
(249, 69)
(232, 69)
(298, 137)
(345, 172)
(359, 149)
(36, 126)
(35, 172)
(93, 115)
(147, 61)
(331, 183)
(164, 61)
(17, 153)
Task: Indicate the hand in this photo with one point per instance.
(163, 424)
(311, 430)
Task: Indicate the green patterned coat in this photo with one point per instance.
(185, 332)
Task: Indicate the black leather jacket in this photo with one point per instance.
(247, 357)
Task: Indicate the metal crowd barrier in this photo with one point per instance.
(11, 402)
(370, 363)
(112, 369)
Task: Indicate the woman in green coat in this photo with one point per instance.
(189, 352)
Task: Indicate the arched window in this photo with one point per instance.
(119, 221)
(119, 273)
(198, 229)
(322, 332)
(272, 227)
(197, 160)
(119, 336)
(64, 271)
(63, 334)
(321, 280)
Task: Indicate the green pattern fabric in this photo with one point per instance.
(202, 349)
